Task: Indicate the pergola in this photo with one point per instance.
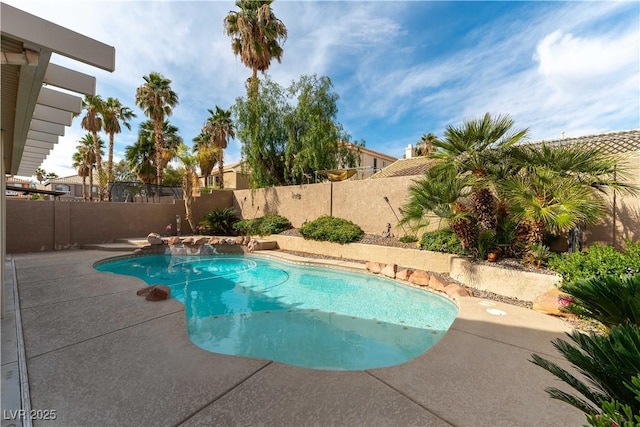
(39, 98)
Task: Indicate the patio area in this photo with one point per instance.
(101, 356)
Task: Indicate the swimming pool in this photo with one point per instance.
(300, 315)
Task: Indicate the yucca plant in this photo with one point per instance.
(607, 362)
(611, 300)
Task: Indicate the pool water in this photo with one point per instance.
(300, 315)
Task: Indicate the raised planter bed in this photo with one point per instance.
(524, 285)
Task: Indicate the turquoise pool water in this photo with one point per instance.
(299, 315)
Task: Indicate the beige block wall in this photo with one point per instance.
(48, 225)
(359, 201)
(623, 219)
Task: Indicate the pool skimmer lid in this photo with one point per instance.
(496, 312)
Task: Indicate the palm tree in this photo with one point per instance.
(206, 155)
(93, 122)
(219, 127)
(40, 175)
(445, 193)
(256, 35)
(156, 98)
(554, 189)
(189, 182)
(114, 114)
(84, 160)
(426, 144)
(475, 148)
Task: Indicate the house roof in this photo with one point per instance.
(611, 143)
(73, 179)
(370, 151)
(405, 167)
(15, 180)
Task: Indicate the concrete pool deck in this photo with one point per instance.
(101, 356)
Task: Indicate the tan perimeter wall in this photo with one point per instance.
(359, 201)
(49, 225)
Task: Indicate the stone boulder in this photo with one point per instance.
(456, 291)
(155, 293)
(214, 241)
(138, 251)
(389, 270)
(404, 274)
(188, 241)
(239, 240)
(420, 278)
(553, 302)
(246, 240)
(200, 240)
(154, 239)
(437, 283)
(173, 241)
(374, 267)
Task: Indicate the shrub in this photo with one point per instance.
(443, 240)
(264, 225)
(611, 300)
(615, 414)
(332, 229)
(220, 221)
(608, 362)
(597, 261)
(409, 238)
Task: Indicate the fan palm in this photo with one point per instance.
(93, 123)
(156, 98)
(84, 160)
(425, 146)
(555, 189)
(114, 114)
(445, 193)
(474, 148)
(219, 127)
(256, 36)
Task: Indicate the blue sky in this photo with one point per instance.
(401, 69)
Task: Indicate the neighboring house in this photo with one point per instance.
(17, 182)
(235, 175)
(371, 161)
(409, 166)
(72, 186)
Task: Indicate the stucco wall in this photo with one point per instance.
(359, 201)
(47, 225)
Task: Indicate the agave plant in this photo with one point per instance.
(607, 362)
(611, 300)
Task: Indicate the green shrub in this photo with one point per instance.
(220, 221)
(611, 300)
(443, 240)
(613, 413)
(409, 238)
(608, 363)
(332, 229)
(263, 226)
(597, 261)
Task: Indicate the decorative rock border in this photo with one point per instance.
(197, 245)
(420, 278)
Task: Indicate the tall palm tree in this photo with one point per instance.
(475, 148)
(206, 155)
(219, 127)
(156, 98)
(426, 146)
(256, 36)
(114, 114)
(93, 123)
(84, 160)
